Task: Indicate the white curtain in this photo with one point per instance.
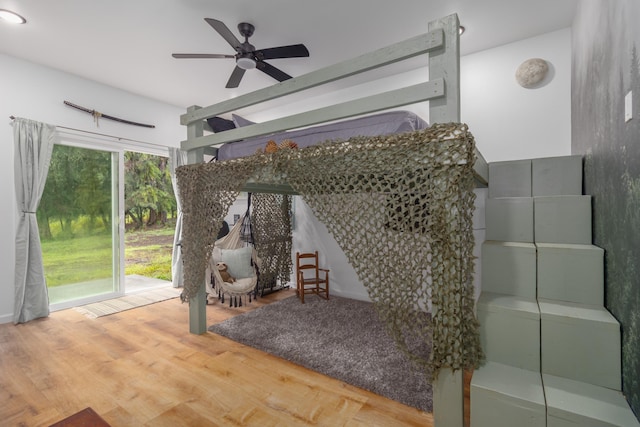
(33, 146)
(177, 158)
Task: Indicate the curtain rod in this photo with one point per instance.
(119, 138)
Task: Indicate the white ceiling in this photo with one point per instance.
(128, 43)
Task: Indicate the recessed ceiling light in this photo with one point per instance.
(12, 17)
(461, 30)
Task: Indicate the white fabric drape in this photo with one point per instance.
(177, 158)
(33, 143)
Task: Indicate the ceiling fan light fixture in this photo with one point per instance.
(247, 57)
(12, 17)
(246, 63)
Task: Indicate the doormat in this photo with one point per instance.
(127, 302)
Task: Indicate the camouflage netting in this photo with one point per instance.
(271, 220)
(400, 206)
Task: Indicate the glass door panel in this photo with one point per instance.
(150, 213)
(80, 226)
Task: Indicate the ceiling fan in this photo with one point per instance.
(247, 56)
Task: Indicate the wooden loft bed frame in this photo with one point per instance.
(441, 45)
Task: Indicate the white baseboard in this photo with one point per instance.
(6, 318)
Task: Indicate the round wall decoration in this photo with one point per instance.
(531, 72)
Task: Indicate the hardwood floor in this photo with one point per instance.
(143, 368)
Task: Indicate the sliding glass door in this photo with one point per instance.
(102, 197)
(80, 225)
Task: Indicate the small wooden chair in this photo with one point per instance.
(311, 279)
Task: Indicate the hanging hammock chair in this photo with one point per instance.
(236, 250)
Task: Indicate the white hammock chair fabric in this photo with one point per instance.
(232, 249)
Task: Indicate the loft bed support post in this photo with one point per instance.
(448, 387)
(198, 303)
(444, 63)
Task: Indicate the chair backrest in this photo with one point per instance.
(307, 261)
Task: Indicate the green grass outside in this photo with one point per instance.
(85, 258)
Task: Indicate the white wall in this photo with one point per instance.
(508, 121)
(312, 235)
(36, 92)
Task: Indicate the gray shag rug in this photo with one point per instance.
(341, 338)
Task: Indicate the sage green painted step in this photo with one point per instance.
(510, 179)
(509, 219)
(510, 330)
(502, 395)
(555, 176)
(576, 404)
(509, 268)
(580, 342)
(572, 273)
(562, 219)
(548, 176)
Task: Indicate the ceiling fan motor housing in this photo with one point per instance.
(246, 58)
(246, 29)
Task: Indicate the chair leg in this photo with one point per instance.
(300, 291)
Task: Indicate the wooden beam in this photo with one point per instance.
(444, 63)
(253, 187)
(448, 399)
(197, 303)
(481, 170)
(370, 104)
(387, 55)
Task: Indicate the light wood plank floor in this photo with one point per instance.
(143, 368)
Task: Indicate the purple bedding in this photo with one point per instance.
(378, 124)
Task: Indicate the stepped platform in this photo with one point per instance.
(572, 273)
(509, 219)
(502, 395)
(509, 268)
(580, 342)
(563, 219)
(510, 330)
(577, 404)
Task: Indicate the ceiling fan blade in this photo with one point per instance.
(291, 51)
(236, 76)
(274, 72)
(224, 31)
(200, 55)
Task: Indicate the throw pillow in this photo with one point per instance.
(218, 124)
(241, 121)
(238, 261)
